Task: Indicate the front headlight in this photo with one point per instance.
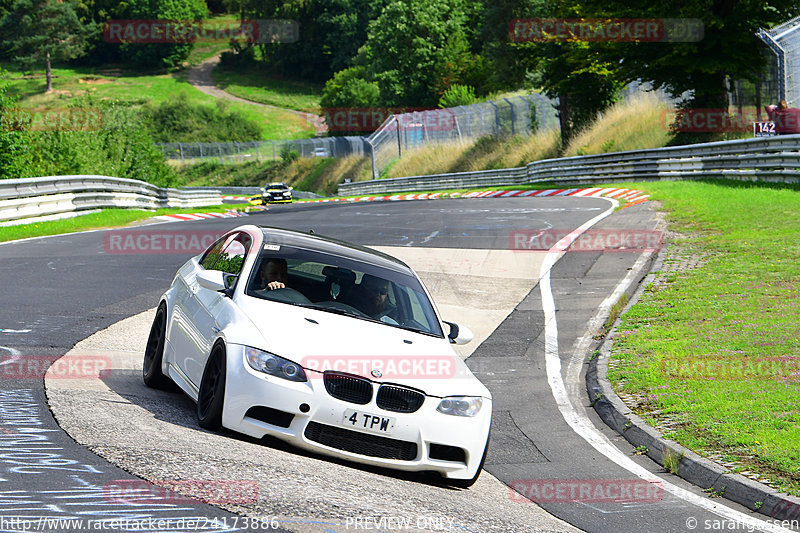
(271, 364)
(460, 405)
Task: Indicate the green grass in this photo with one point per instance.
(714, 350)
(138, 88)
(107, 218)
(265, 89)
(203, 51)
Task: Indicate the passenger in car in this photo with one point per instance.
(370, 296)
(274, 274)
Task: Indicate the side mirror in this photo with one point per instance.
(216, 280)
(459, 334)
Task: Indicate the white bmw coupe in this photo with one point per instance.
(330, 346)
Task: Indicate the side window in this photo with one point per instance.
(212, 254)
(231, 259)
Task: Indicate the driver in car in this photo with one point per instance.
(274, 274)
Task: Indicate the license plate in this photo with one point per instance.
(368, 421)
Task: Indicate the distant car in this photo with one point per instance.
(320, 152)
(345, 356)
(276, 193)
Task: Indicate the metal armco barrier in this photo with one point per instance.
(54, 195)
(763, 159)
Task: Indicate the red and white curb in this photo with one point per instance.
(631, 196)
(198, 216)
(238, 197)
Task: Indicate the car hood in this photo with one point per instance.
(320, 341)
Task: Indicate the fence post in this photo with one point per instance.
(496, 117)
(531, 109)
(511, 106)
(219, 149)
(238, 151)
(273, 150)
(399, 148)
(258, 156)
(372, 158)
(201, 151)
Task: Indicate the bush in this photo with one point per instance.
(288, 154)
(348, 88)
(13, 140)
(181, 121)
(239, 55)
(457, 95)
(122, 147)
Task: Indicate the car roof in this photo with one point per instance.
(276, 184)
(330, 245)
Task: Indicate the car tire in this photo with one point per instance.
(154, 352)
(211, 397)
(467, 483)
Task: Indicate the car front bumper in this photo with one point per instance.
(277, 199)
(258, 404)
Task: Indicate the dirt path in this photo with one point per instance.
(200, 77)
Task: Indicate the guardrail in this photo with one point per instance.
(761, 159)
(57, 195)
(249, 191)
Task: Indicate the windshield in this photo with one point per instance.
(343, 286)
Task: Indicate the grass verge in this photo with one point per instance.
(316, 174)
(257, 86)
(711, 354)
(137, 89)
(107, 218)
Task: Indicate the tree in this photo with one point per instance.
(416, 49)
(727, 47)
(330, 33)
(577, 72)
(44, 30)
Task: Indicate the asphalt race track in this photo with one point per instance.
(61, 290)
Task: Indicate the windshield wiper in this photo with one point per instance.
(334, 310)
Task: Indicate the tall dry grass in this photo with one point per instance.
(635, 124)
(481, 154)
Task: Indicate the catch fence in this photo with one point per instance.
(784, 43)
(240, 152)
(515, 115)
